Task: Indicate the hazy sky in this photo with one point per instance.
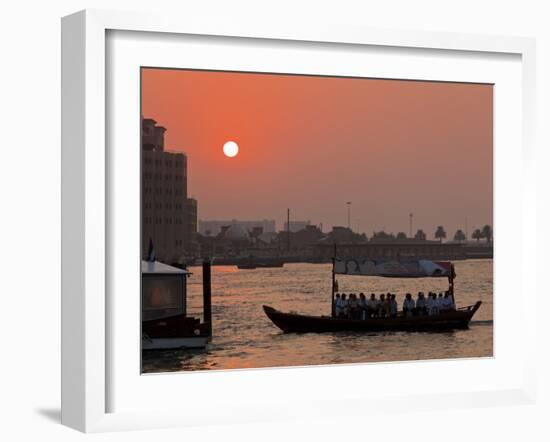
(314, 143)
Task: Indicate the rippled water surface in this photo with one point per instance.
(245, 338)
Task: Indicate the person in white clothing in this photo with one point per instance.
(447, 303)
(363, 306)
(408, 305)
(345, 305)
(432, 304)
(440, 301)
(421, 307)
(337, 306)
(372, 306)
(393, 306)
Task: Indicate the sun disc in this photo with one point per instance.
(230, 149)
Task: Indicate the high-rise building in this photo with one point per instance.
(191, 230)
(167, 214)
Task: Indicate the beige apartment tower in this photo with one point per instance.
(169, 218)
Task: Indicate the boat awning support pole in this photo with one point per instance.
(333, 306)
(207, 294)
(452, 283)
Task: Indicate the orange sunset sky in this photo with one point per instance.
(391, 147)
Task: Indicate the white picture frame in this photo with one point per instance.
(88, 178)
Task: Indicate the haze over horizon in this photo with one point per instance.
(311, 144)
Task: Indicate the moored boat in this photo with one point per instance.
(165, 324)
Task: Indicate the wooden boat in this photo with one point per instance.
(165, 324)
(296, 323)
(446, 320)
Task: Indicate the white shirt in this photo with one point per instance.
(408, 304)
(447, 302)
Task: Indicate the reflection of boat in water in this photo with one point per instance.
(446, 320)
(165, 324)
(261, 264)
(296, 323)
(249, 266)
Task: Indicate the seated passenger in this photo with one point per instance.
(440, 301)
(337, 307)
(447, 303)
(343, 305)
(363, 306)
(382, 306)
(372, 305)
(408, 305)
(421, 307)
(393, 306)
(353, 306)
(433, 308)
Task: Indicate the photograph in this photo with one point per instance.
(292, 220)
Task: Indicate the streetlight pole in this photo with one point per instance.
(288, 229)
(410, 225)
(349, 214)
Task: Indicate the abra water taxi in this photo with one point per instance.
(458, 318)
(165, 324)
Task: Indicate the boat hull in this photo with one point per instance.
(296, 323)
(174, 332)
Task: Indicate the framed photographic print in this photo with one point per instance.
(251, 214)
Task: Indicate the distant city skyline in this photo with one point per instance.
(312, 144)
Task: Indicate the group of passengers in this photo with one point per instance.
(385, 306)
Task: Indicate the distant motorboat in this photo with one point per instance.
(261, 264)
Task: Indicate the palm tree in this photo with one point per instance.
(459, 236)
(401, 235)
(440, 233)
(420, 235)
(382, 235)
(477, 235)
(487, 232)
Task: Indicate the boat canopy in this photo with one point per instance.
(394, 269)
(161, 268)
